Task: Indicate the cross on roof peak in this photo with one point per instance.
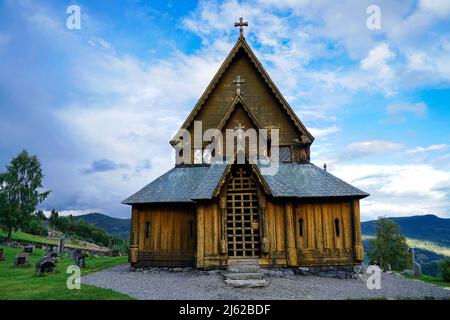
(241, 24)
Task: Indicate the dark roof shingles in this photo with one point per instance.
(188, 183)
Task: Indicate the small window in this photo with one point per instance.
(300, 222)
(285, 154)
(336, 226)
(191, 229)
(147, 230)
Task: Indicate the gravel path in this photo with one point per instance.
(198, 285)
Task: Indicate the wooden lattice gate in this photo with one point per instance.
(242, 215)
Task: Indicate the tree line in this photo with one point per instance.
(21, 192)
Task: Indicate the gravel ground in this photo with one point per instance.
(198, 285)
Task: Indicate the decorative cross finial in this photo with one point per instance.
(241, 24)
(238, 82)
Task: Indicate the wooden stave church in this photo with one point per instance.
(214, 216)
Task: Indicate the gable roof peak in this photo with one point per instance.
(242, 43)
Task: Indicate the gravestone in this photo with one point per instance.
(22, 259)
(61, 247)
(28, 249)
(80, 261)
(72, 254)
(15, 245)
(417, 268)
(1, 255)
(46, 264)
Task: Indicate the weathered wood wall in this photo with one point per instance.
(209, 236)
(165, 234)
(261, 101)
(299, 233)
(317, 244)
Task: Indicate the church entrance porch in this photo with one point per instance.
(242, 217)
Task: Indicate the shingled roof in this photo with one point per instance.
(190, 183)
(309, 181)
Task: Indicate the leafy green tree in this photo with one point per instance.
(53, 219)
(445, 269)
(34, 226)
(389, 246)
(19, 189)
(40, 214)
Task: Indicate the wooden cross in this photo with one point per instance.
(241, 24)
(238, 82)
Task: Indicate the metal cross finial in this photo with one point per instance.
(241, 24)
(238, 82)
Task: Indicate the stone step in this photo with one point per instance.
(243, 276)
(249, 283)
(244, 269)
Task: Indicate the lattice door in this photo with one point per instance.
(242, 215)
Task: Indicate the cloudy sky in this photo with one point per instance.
(98, 105)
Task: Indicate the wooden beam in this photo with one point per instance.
(358, 251)
(134, 251)
(200, 237)
(291, 253)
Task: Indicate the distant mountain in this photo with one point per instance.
(114, 226)
(427, 228)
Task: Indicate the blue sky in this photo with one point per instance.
(99, 105)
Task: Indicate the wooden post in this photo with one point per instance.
(223, 226)
(134, 236)
(263, 221)
(358, 251)
(291, 253)
(200, 236)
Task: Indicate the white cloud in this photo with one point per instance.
(377, 60)
(399, 190)
(323, 132)
(434, 147)
(365, 148)
(439, 8)
(418, 109)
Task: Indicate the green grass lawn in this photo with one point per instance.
(22, 283)
(26, 237)
(22, 236)
(430, 279)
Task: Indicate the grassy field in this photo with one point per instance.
(430, 279)
(23, 284)
(420, 244)
(74, 244)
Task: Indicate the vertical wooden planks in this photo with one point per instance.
(200, 236)
(291, 253)
(318, 226)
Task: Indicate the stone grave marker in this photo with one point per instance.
(22, 259)
(72, 254)
(15, 245)
(46, 264)
(80, 261)
(61, 247)
(28, 249)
